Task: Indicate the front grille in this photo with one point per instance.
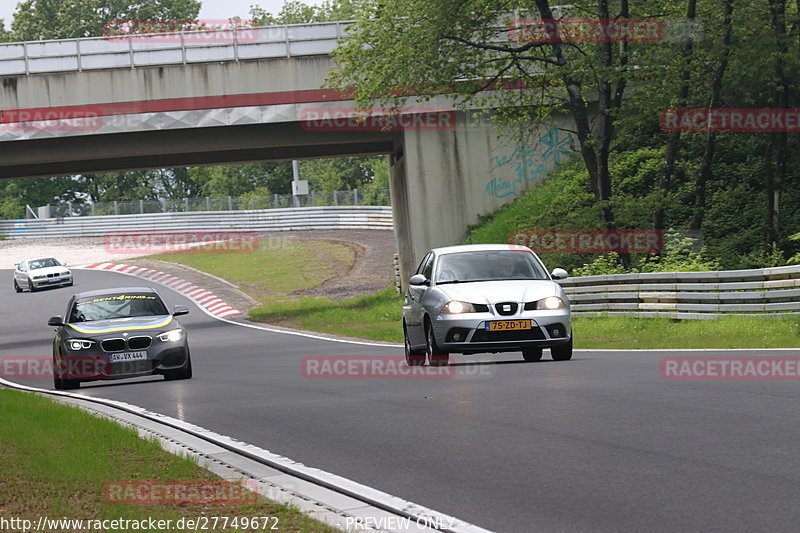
(506, 308)
(113, 345)
(139, 343)
(52, 275)
(481, 335)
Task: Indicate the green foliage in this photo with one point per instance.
(294, 12)
(603, 264)
(66, 19)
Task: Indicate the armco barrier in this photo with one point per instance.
(767, 291)
(298, 218)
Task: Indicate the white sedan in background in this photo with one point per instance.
(34, 274)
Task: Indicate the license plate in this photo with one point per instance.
(128, 356)
(506, 325)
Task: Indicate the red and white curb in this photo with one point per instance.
(203, 298)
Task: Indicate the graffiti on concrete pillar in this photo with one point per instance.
(510, 171)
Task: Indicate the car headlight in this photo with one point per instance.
(174, 335)
(79, 344)
(38, 277)
(455, 307)
(550, 303)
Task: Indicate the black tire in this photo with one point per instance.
(436, 356)
(63, 384)
(532, 355)
(181, 373)
(16, 287)
(30, 285)
(413, 357)
(562, 352)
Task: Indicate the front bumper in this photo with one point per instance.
(52, 282)
(466, 333)
(95, 363)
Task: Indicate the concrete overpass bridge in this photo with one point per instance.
(253, 94)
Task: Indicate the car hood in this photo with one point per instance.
(48, 270)
(491, 292)
(132, 324)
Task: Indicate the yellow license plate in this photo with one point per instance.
(506, 325)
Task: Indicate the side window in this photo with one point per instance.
(422, 264)
(427, 270)
(23, 267)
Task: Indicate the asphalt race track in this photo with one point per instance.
(599, 443)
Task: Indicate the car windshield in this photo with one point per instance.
(116, 306)
(43, 263)
(488, 265)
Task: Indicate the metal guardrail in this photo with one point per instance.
(299, 218)
(688, 295)
(154, 49)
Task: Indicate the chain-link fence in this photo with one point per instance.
(378, 197)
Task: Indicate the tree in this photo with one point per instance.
(419, 47)
(294, 12)
(67, 19)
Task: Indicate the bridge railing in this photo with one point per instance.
(153, 49)
(377, 197)
(694, 295)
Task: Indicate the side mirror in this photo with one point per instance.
(55, 321)
(418, 279)
(559, 273)
(180, 310)
(63, 264)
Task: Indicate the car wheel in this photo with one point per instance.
(63, 384)
(532, 354)
(182, 373)
(563, 352)
(30, 285)
(436, 357)
(16, 287)
(413, 357)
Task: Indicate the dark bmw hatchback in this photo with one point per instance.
(118, 333)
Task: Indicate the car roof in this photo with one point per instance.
(479, 248)
(115, 290)
(37, 258)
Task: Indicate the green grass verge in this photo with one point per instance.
(723, 332)
(56, 459)
(273, 272)
(376, 317)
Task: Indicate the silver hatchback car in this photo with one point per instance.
(486, 298)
